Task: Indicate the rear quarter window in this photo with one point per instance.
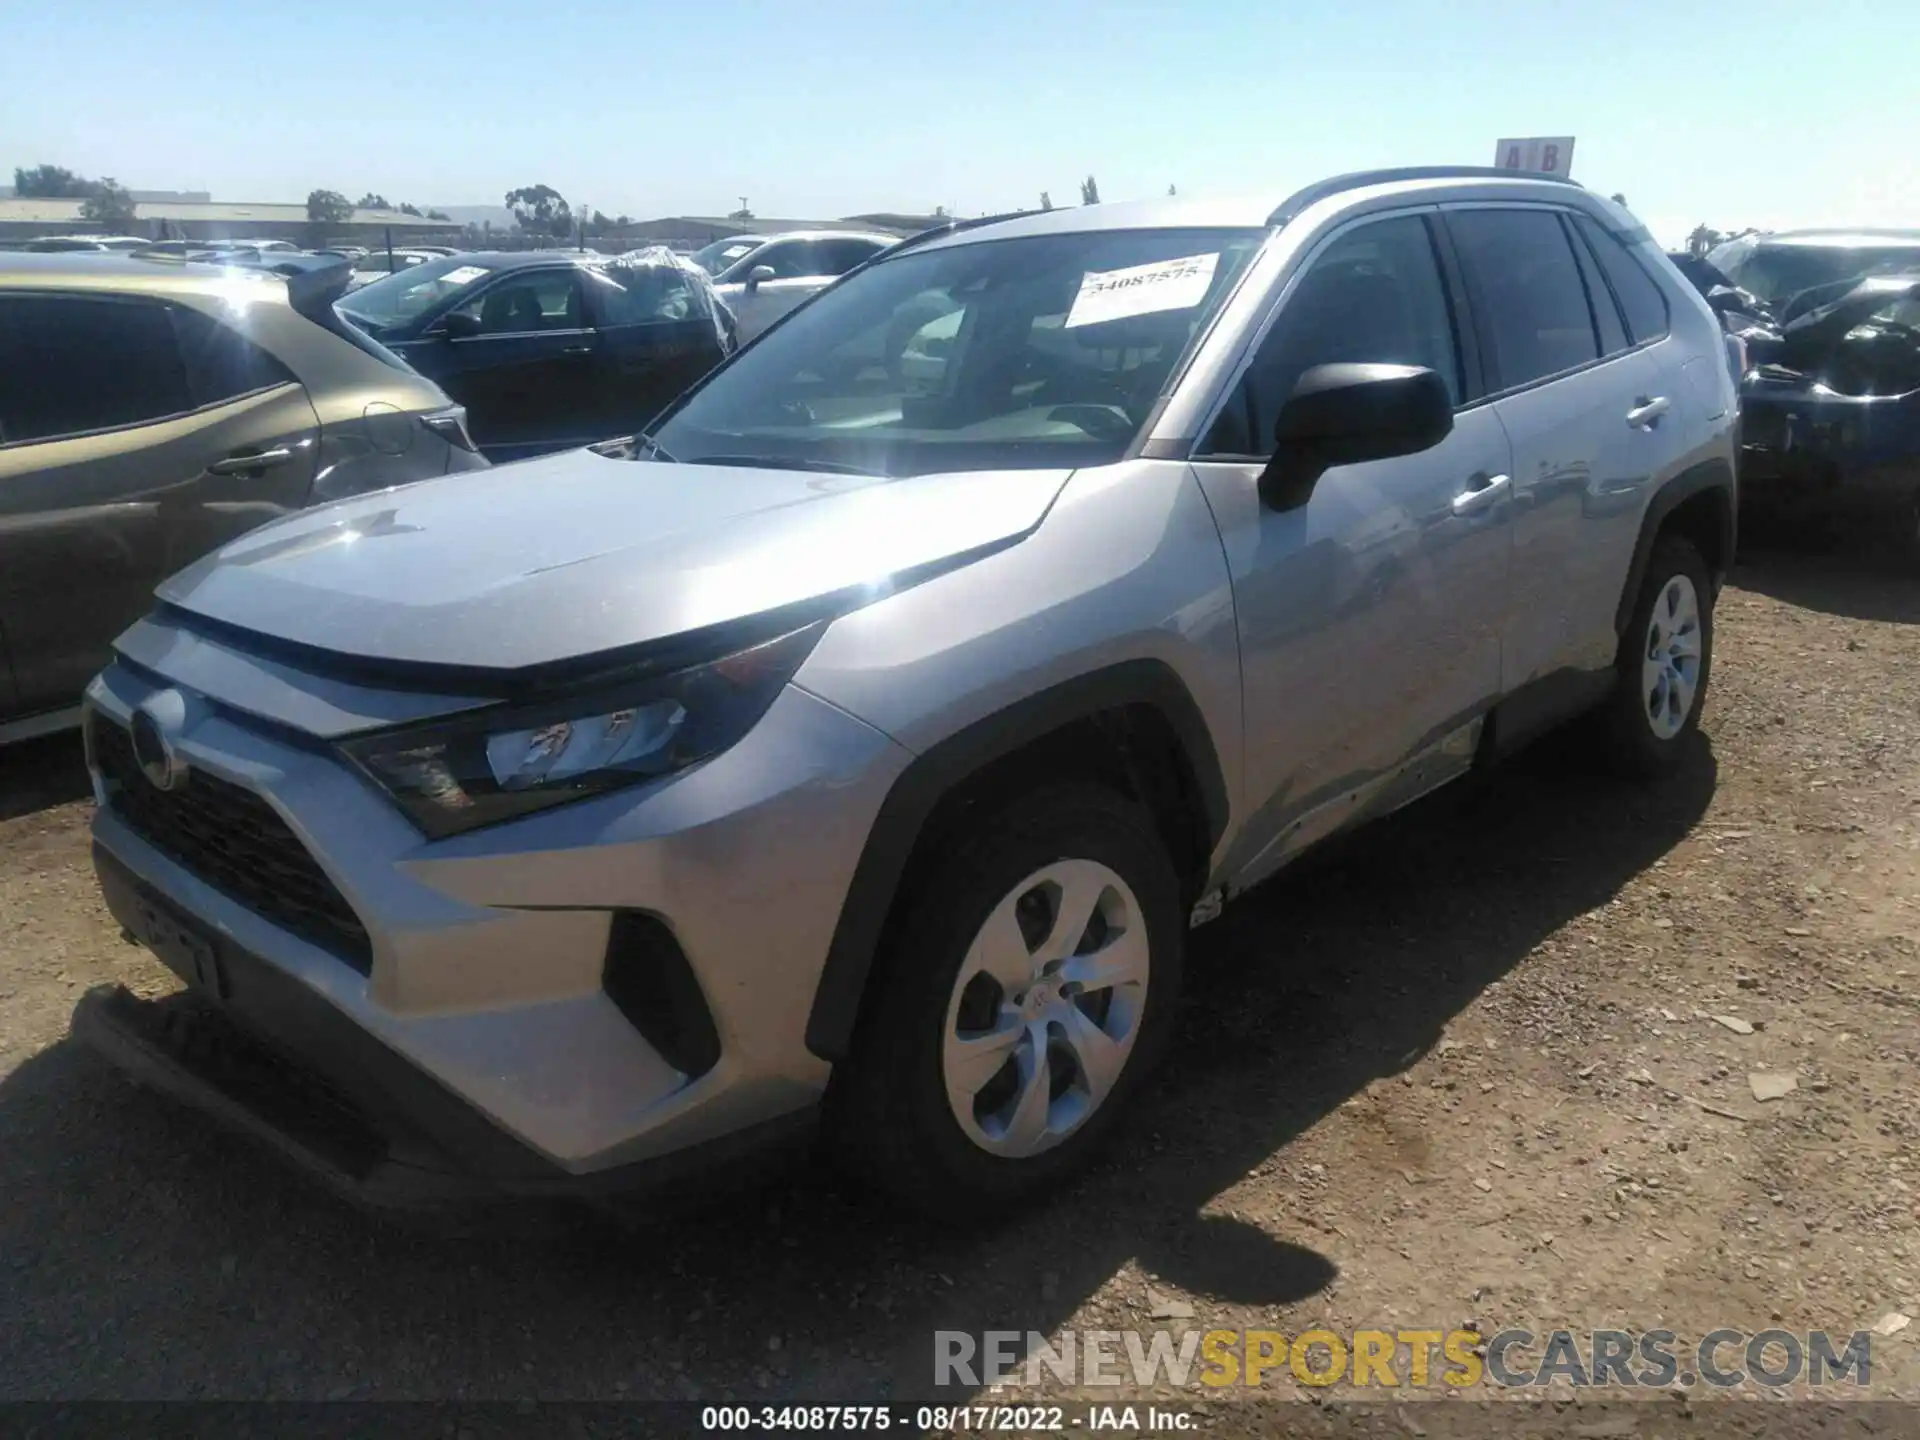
(222, 364)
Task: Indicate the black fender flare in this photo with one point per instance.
(931, 776)
(1715, 474)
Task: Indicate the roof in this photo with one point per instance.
(1838, 239)
(114, 270)
(1259, 212)
(54, 212)
(727, 225)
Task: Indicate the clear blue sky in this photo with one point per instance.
(1769, 112)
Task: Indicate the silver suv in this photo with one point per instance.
(858, 746)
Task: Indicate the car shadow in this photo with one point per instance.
(39, 774)
(149, 1255)
(1849, 578)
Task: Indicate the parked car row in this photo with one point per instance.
(1828, 327)
(850, 750)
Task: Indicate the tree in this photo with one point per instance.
(108, 204)
(1619, 200)
(940, 212)
(541, 209)
(371, 201)
(1046, 201)
(441, 216)
(1089, 191)
(49, 182)
(328, 207)
(1702, 239)
(406, 209)
(1170, 190)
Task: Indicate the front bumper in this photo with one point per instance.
(1806, 449)
(484, 1037)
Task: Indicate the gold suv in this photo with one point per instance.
(150, 411)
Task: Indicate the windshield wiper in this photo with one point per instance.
(782, 462)
(637, 446)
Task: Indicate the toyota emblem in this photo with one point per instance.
(153, 747)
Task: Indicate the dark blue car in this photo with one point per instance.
(1830, 400)
(549, 349)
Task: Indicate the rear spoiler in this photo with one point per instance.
(312, 288)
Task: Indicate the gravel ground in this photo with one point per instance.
(1463, 1069)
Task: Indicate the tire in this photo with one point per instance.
(892, 1117)
(1643, 736)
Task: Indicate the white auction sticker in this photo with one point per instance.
(1142, 289)
(466, 274)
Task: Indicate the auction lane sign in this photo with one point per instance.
(1548, 155)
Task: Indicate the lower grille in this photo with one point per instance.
(236, 842)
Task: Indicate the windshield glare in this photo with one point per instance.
(1777, 273)
(408, 294)
(1040, 352)
(718, 256)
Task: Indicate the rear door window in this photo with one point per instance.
(1528, 300)
(70, 365)
(1606, 313)
(1642, 300)
(644, 294)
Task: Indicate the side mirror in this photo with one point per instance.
(1346, 414)
(758, 276)
(458, 325)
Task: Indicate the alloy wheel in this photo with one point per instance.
(1670, 665)
(1045, 1009)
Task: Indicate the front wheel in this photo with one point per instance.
(1026, 986)
(1664, 663)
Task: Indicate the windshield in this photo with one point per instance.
(718, 256)
(1042, 352)
(1778, 272)
(409, 293)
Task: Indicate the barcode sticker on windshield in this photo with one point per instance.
(465, 275)
(1142, 289)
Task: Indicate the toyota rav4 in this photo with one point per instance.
(858, 746)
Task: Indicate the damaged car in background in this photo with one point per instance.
(1828, 326)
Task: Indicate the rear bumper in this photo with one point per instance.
(270, 1059)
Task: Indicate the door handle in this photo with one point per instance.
(578, 350)
(1482, 491)
(1647, 411)
(242, 464)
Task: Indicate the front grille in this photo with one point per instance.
(236, 842)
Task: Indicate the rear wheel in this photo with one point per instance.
(1663, 665)
(1025, 987)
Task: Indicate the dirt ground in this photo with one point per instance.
(1464, 1071)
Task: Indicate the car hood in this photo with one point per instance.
(1824, 323)
(578, 555)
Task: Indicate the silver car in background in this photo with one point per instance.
(762, 277)
(856, 747)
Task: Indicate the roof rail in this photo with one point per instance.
(1320, 190)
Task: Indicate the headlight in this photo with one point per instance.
(497, 764)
